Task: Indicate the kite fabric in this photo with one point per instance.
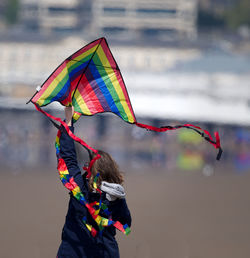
(91, 81)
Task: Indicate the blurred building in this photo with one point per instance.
(140, 19)
(2, 14)
(122, 20)
(48, 16)
(2, 8)
(216, 6)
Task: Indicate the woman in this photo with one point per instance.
(77, 240)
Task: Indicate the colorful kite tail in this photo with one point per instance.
(204, 133)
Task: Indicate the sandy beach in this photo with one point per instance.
(177, 215)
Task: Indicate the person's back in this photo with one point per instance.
(77, 240)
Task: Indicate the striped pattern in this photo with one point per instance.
(91, 81)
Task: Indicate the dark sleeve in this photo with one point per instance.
(120, 211)
(68, 153)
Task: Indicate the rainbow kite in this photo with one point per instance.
(91, 81)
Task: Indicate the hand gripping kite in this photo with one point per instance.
(91, 81)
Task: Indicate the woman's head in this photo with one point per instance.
(107, 168)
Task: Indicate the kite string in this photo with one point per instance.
(98, 156)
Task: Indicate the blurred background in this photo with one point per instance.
(183, 61)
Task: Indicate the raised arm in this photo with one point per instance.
(67, 150)
(69, 112)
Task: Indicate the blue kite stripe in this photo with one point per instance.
(95, 87)
(77, 71)
(99, 83)
(62, 93)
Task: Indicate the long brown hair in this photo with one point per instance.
(108, 169)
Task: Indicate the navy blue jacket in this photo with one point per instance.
(77, 240)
